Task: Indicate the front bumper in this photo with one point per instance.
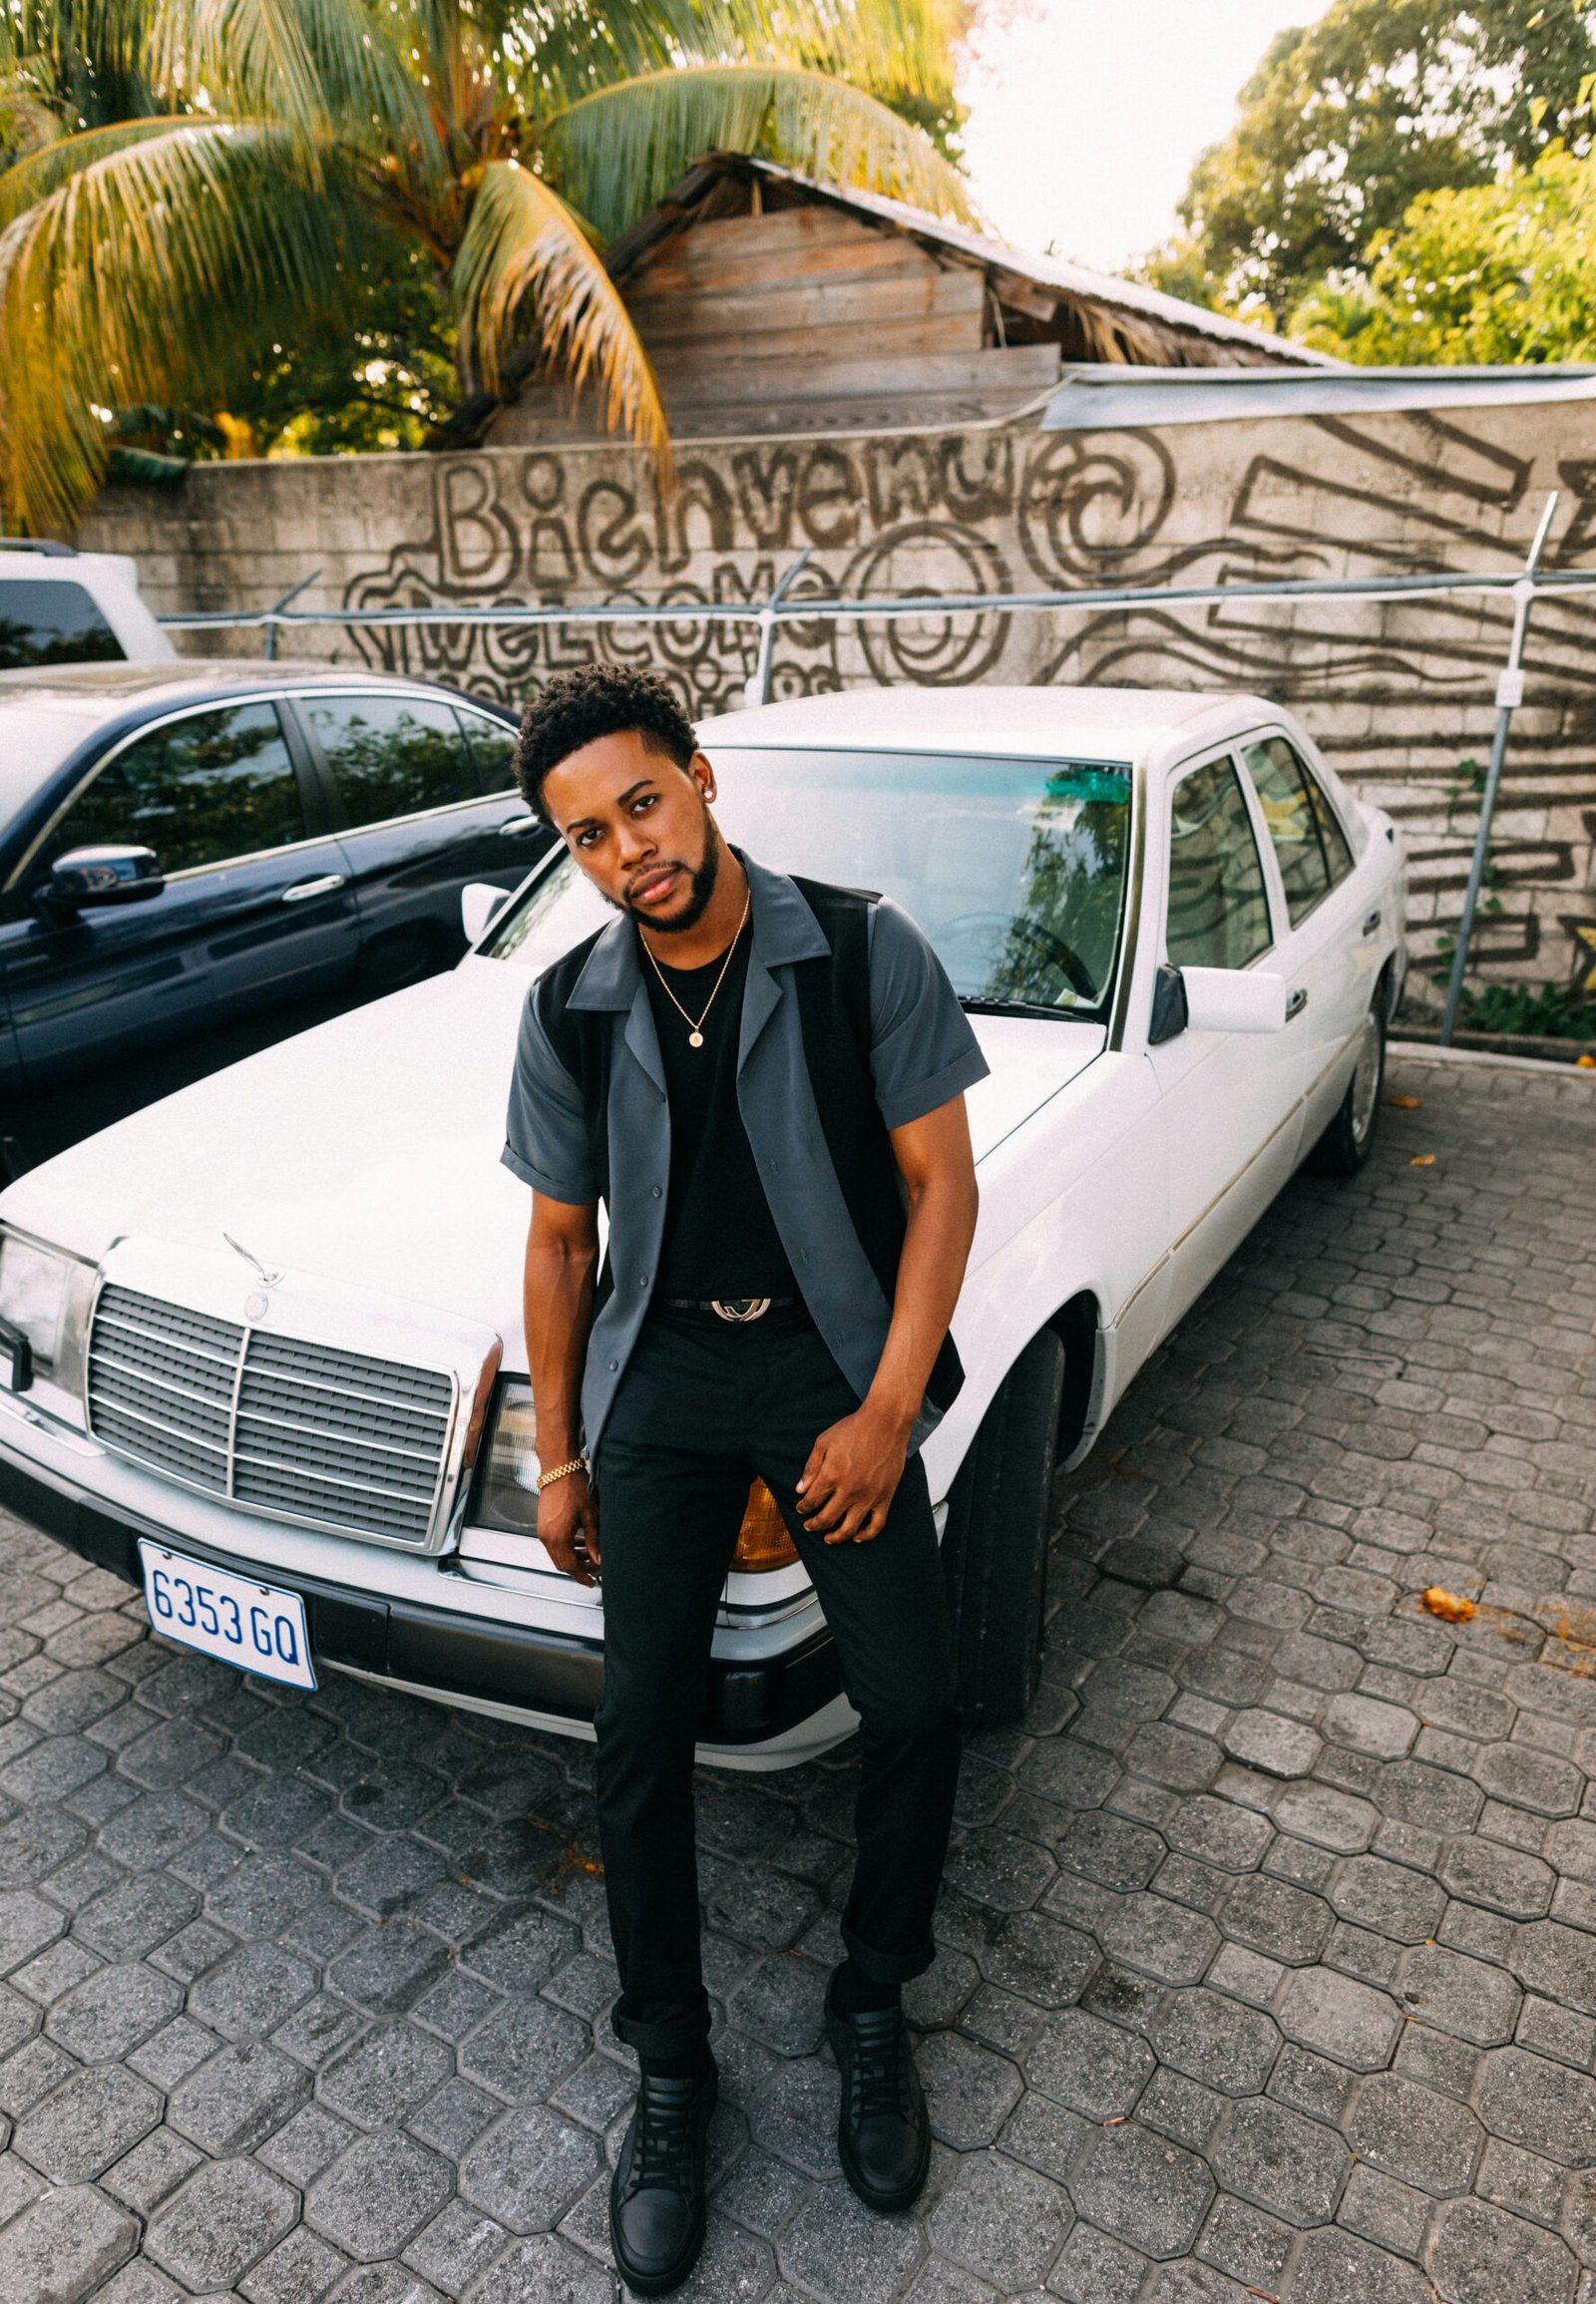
(524, 1670)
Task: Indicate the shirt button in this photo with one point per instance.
(613, 1366)
(656, 1194)
(644, 1282)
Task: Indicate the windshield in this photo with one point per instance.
(1014, 869)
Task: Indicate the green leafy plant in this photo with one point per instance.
(186, 182)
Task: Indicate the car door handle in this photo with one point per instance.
(1372, 923)
(1298, 1001)
(514, 826)
(303, 890)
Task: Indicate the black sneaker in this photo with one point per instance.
(882, 2132)
(657, 2195)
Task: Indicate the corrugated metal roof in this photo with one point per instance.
(1091, 398)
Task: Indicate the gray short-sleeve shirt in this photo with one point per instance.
(923, 1053)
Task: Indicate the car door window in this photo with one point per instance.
(493, 747)
(1218, 911)
(392, 755)
(1308, 842)
(199, 790)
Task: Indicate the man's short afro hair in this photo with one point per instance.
(579, 706)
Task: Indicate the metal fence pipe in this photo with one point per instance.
(780, 608)
(1509, 694)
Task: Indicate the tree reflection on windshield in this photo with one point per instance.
(1059, 950)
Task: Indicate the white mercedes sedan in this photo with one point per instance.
(261, 1343)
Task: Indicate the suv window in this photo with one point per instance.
(1218, 912)
(493, 747)
(52, 624)
(392, 755)
(198, 791)
(1308, 842)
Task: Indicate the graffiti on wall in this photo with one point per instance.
(1398, 692)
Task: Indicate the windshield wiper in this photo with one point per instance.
(1030, 1008)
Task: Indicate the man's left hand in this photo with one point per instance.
(850, 1477)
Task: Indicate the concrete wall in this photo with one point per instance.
(1398, 695)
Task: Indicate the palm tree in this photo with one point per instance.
(173, 175)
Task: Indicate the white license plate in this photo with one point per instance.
(244, 1623)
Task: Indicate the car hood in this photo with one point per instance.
(366, 1151)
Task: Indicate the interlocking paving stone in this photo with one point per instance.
(62, 2247)
(221, 2222)
(1279, 1871)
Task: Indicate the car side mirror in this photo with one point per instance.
(89, 876)
(479, 901)
(1168, 1019)
(1234, 1001)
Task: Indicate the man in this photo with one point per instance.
(763, 1079)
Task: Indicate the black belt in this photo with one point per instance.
(739, 1309)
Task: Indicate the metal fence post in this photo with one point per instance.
(758, 688)
(276, 609)
(1509, 694)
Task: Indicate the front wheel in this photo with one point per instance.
(994, 1546)
(1347, 1141)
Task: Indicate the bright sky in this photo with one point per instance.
(1086, 115)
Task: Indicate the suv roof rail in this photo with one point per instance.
(46, 545)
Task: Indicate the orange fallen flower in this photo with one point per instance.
(1451, 1607)
(1586, 1061)
(1422, 1160)
(1405, 1103)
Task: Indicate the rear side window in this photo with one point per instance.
(392, 755)
(493, 747)
(202, 789)
(52, 624)
(1307, 841)
(1218, 912)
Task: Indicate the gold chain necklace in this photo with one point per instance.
(695, 1024)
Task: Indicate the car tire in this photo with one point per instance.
(1346, 1143)
(994, 1544)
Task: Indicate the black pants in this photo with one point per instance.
(703, 1406)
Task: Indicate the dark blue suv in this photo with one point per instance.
(199, 858)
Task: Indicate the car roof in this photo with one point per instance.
(99, 692)
(1045, 722)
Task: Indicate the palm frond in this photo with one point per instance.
(523, 247)
(42, 172)
(315, 65)
(616, 151)
(128, 282)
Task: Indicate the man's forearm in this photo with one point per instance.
(930, 1272)
(559, 1314)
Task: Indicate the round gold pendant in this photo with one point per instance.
(695, 1040)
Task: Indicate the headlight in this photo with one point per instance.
(507, 1496)
(45, 1296)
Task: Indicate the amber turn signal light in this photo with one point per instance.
(762, 1540)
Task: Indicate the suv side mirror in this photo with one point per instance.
(87, 876)
(479, 901)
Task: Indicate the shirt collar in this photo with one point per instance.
(785, 930)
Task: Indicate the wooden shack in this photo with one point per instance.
(769, 303)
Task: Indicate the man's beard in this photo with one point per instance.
(702, 887)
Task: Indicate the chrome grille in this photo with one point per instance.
(281, 1425)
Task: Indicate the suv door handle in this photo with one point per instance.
(1298, 1001)
(514, 826)
(303, 890)
(1372, 923)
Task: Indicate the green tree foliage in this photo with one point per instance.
(222, 203)
(1498, 273)
(1348, 121)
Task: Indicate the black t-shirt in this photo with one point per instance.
(721, 1238)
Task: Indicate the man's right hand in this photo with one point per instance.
(567, 1526)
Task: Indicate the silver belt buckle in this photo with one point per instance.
(740, 1308)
